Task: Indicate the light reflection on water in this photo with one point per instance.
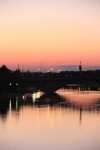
(64, 120)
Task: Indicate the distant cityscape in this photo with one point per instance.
(54, 68)
(75, 68)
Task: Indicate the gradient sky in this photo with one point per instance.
(53, 32)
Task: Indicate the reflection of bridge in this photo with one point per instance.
(43, 100)
(52, 85)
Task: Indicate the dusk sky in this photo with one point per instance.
(50, 32)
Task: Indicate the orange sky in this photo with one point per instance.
(51, 32)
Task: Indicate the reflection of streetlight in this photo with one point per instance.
(38, 117)
(16, 102)
(23, 97)
(10, 105)
(50, 115)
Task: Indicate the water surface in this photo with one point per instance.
(66, 120)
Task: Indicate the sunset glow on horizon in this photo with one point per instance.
(49, 32)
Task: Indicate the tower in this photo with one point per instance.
(80, 67)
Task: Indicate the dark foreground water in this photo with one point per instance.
(67, 120)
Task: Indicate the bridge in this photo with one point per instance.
(53, 84)
(47, 82)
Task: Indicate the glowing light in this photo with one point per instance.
(59, 70)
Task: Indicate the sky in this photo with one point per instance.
(49, 32)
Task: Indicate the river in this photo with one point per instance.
(66, 120)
